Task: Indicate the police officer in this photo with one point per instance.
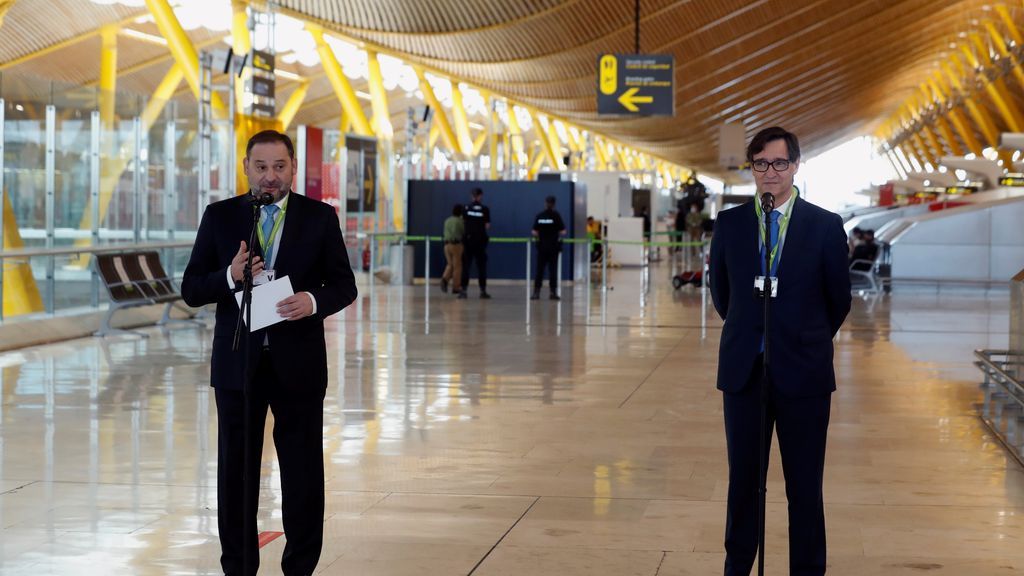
(548, 228)
(477, 218)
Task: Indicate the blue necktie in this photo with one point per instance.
(269, 212)
(773, 239)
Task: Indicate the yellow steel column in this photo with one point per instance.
(292, 105)
(478, 144)
(181, 47)
(555, 143)
(515, 133)
(342, 89)
(5, 5)
(602, 153)
(435, 133)
(931, 94)
(996, 89)
(925, 153)
(21, 293)
(163, 94)
(955, 116)
(924, 101)
(241, 44)
(440, 119)
(1000, 44)
(108, 77)
(979, 114)
(545, 143)
(378, 98)
(493, 132)
(461, 121)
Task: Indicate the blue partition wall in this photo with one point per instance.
(514, 205)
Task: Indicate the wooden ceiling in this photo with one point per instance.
(824, 69)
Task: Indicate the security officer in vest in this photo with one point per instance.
(548, 228)
(477, 218)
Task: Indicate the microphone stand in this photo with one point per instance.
(767, 205)
(248, 484)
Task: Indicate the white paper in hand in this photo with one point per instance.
(264, 302)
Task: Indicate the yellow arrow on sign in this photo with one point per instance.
(629, 99)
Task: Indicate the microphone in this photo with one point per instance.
(264, 199)
(767, 202)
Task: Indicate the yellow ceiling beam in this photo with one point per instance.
(292, 105)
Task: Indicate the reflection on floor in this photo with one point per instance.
(488, 438)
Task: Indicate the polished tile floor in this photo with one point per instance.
(495, 438)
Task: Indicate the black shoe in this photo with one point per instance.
(555, 297)
(444, 285)
(535, 296)
(485, 296)
(462, 295)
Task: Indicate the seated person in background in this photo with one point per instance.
(866, 250)
(856, 239)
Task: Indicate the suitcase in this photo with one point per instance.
(688, 277)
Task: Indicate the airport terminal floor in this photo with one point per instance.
(472, 441)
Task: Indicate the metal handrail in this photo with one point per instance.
(996, 370)
(104, 249)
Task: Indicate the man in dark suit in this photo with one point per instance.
(301, 239)
(813, 299)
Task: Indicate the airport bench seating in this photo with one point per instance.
(137, 278)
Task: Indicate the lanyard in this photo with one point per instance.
(278, 219)
(773, 265)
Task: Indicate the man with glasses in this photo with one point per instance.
(807, 249)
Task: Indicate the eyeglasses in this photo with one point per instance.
(762, 165)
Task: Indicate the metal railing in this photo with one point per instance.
(402, 239)
(67, 287)
(1003, 405)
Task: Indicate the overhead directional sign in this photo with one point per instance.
(636, 84)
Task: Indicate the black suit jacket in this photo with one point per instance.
(311, 253)
(813, 299)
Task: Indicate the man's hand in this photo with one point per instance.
(238, 263)
(295, 306)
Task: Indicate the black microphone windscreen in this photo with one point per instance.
(767, 201)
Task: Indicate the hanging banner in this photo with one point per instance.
(636, 84)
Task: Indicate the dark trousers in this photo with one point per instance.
(547, 259)
(298, 438)
(802, 425)
(475, 251)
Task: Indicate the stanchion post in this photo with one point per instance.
(426, 278)
(604, 280)
(528, 277)
(373, 258)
